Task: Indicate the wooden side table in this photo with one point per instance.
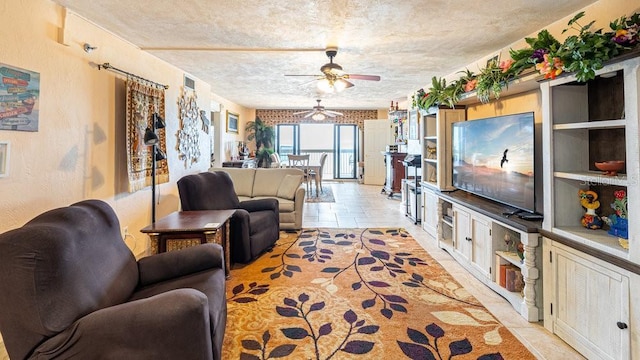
(182, 229)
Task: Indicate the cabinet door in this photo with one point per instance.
(461, 233)
(591, 308)
(481, 243)
(430, 216)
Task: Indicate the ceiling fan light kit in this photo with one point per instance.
(319, 113)
(318, 116)
(333, 86)
(333, 78)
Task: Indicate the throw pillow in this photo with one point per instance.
(288, 186)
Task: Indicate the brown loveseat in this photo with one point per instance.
(70, 288)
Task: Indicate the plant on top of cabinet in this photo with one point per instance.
(582, 54)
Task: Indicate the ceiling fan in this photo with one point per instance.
(318, 112)
(333, 78)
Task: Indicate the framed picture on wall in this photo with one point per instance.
(4, 158)
(232, 122)
(413, 124)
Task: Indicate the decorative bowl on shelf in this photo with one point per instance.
(610, 168)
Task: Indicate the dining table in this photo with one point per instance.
(312, 168)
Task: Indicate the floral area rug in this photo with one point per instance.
(326, 195)
(357, 294)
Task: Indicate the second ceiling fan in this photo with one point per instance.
(333, 78)
(318, 112)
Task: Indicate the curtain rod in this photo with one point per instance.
(112, 68)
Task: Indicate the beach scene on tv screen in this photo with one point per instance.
(494, 158)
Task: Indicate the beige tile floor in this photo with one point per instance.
(360, 206)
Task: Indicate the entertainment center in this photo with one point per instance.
(483, 235)
(585, 296)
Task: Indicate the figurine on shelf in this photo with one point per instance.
(520, 251)
(432, 152)
(508, 241)
(618, 222)
(589, 201)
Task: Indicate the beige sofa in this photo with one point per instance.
(282, 184)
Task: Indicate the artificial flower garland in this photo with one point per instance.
(582, 54)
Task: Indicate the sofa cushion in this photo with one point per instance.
(284, 205)
(288, 186)
(266, 182)
(242, 180)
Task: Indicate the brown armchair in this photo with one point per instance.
(255, 226)
(70, 288)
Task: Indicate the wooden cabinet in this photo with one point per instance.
(588, 274)
(436, 146)
(429, 211)
(587, 302)
(473, 231)
(394, 172)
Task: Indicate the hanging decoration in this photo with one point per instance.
(189, 133)
(143, 100)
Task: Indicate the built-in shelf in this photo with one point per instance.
(511, 257)
(593, 177)
(592, 125)
(584, 123)
(598, 239)
(436, 145)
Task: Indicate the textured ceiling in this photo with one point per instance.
(244, 48)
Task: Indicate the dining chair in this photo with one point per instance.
(313, 174)
(275, 160)
(301, 162)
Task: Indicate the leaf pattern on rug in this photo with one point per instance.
(421, 348)
(356, 293)
(295, 308)
(242, 295)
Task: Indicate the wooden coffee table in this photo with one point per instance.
(182, 229)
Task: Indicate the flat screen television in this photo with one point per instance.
(494, 158)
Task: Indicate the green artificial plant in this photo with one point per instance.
(264, 136)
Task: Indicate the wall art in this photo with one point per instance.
(189, 134)
(232, 122)
(19, 93)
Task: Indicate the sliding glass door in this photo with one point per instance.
(345, 151)
(338, 141)
(287, 140)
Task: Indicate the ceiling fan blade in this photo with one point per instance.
(362, 77)
(333, 113)
(327, 114)
(310, 114)
(300, 112)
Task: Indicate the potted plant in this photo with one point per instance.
(264, 136)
